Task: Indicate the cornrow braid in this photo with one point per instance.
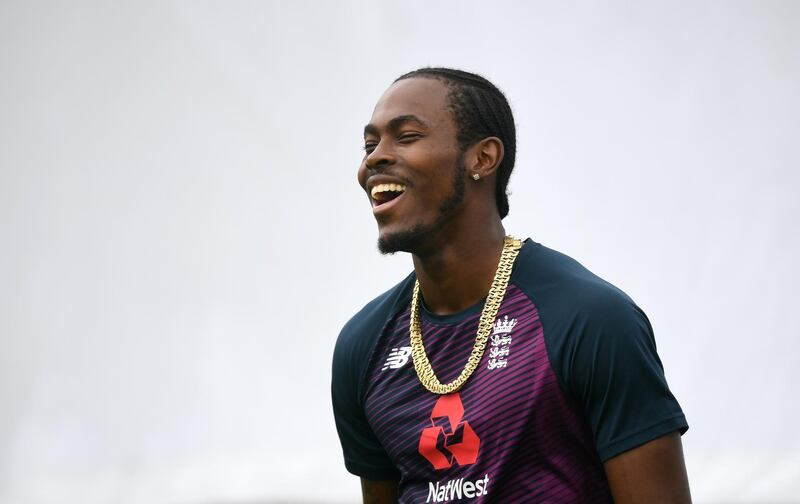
(480, 110)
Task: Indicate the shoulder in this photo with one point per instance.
(375, 313)
(563, 287)
(364, 455)
(361, 332)
(585, 319)
(601, 349)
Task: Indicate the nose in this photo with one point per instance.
(381, 156)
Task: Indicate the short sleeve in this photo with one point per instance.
(364, 455)
(617, 377)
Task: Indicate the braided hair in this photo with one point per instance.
(480, 110)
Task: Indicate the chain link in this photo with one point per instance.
(511, 247)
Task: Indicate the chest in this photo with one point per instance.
(488, 420)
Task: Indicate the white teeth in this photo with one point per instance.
(387, 187)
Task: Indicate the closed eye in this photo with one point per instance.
(409, 137)
(404, 138)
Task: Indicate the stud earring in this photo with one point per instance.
(475, 176)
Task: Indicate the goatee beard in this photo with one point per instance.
(415, 237)
(403, 241)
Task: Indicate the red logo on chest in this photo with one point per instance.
(449, 440)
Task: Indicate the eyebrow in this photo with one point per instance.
(394, 123)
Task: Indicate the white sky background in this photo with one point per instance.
(182, 235)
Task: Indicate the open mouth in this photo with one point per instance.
(384, 193)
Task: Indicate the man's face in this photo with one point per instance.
(412, 169)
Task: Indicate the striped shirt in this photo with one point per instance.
(570, 378)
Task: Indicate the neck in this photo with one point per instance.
(457, 271)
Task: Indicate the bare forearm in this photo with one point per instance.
(379, 492)
(654, 473)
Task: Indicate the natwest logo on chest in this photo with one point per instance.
(449, 439)
(457, 489)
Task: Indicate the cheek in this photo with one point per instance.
(441, 173)
(361, 175)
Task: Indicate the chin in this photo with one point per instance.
(404, 240)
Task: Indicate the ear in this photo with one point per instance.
(484, 157)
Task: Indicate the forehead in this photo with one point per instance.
(424, 98)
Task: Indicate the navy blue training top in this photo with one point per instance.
(569, 379)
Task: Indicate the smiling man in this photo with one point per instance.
(498, 371)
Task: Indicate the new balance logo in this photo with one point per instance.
(397, 358)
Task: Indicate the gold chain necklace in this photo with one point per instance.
(511, 247)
